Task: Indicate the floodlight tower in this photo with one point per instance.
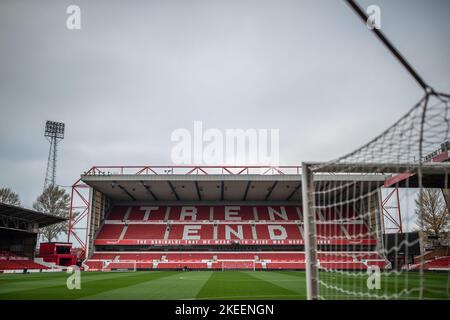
(54, 132)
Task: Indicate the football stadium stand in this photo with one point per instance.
(205, 226)
(436, 264)
(278, 227)
(10, 261)
(441, 263)
(183, 217)
(18, 237)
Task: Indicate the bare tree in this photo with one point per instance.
(55, 201)
(9, 197)
(432, 214)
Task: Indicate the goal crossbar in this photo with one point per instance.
(426, 168)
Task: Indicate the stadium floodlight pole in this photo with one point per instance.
(390, 47)
(54, 132)
(309, 223)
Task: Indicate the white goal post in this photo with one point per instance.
(351, 250)
(125, 265)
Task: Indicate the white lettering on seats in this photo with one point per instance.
(280, 231)
(191, 232)
(232, 213)
(147, 211)
(188, 212)
(282, 214)
(238, 233)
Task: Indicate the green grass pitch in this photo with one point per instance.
(259, 285)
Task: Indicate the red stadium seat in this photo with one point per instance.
(235, 231)
(117, 213)
(233, 213)
(235, 256)
(191, 231)
(233, 260)
(438, 263)
(11, 261)
(145, 231)
(110, 231)
(205, 225)
(93, 265)
(278, 213)
(277, 231)
(189, 213)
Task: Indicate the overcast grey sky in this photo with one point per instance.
(138, 70)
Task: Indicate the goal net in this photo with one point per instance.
(124, 265)
(376, 220)
(238, 265)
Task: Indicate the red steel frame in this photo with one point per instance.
(79, 188)
(395, 218)
(79, 201)
(161, 170)
(78, 213)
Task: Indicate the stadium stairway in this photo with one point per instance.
(49, 265)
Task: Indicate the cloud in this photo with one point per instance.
(133, 74)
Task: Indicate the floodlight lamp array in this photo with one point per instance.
(54, 129)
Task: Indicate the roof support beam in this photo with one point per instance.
(149, 191)
(246, 190)
(294, 191)
(22, 218)
(126, 191)
(270, 190)
(173, 190)
(198, 191)
(222, 190)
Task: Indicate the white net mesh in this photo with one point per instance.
(237, 265)
(124, 265)
(359, 247)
